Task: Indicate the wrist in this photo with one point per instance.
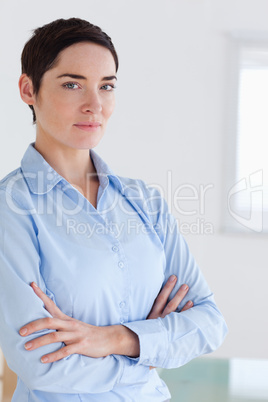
(124, 341)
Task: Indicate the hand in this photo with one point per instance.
(79, 337)
(162, 307)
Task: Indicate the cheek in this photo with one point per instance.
(56, 103)
(109, 108)
(60, 111)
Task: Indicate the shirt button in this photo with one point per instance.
(122, 304)
(121, 264)
(115, 249)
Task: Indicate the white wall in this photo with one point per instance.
(169, 127)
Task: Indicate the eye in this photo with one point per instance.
(71, 85)
(108, 87)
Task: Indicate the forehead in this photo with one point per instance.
(86, 57)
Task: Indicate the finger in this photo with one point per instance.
(175, 301)
(59, 354)
(50, 306)
(53, 337)
(162, 298)
(187, 306)
(44, 323)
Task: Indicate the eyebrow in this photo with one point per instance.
(81, 77)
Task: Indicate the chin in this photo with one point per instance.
(87, 144)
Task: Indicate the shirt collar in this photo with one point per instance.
(104, 170)
(41, 177)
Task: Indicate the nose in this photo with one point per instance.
(92, 103)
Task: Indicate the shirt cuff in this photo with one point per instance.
(153, 338)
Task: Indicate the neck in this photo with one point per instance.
(75, 165)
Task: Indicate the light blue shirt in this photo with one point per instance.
(102, 266)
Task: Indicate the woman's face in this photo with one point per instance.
(76, 97)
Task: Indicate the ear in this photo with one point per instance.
(26, 89)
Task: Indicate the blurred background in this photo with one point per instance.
(191, 118)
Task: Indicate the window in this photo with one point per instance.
(247, 153)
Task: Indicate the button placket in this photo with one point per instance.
(116, 249)
(122, 266)
(123, 312)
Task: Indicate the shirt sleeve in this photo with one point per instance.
(19, 266)
(174, 340)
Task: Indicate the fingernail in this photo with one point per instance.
(172, 278)
(190, 303)
(28, 345)
(185, 287)
(23, 331)
(44, 359)
(34, 284)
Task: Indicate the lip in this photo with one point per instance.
(88, 125)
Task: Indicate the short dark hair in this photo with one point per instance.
(41, 52)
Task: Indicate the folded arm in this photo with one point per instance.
(89, 340)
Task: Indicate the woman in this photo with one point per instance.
(95, 248)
